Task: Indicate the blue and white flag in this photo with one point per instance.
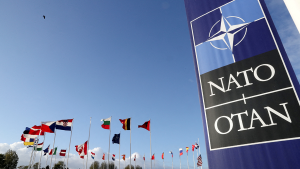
(113, 157)
(46, 150)
(64, 124)
(196, 146)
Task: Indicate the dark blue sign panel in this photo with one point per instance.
(248, 89)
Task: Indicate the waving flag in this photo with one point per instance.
(62, 152)
(103, 157)
(46, 150)
(199, 163)
(123, 157)
(93, 155)
(163, 156)
(106, 123)
(146, 125)
(48, 126)
(82, 149)
(64, 124)
(113, 157)
(134, 158)
(35, 130)
(171, 153)
(193, 146)
(30, 142)
(53, 152)
(187, 149)
(180, 152)
(27, 137)
(116, 139)
(39, 147)
(196, 146)
(153, 157)
(144, 157)
(126, 123)
(81, 156)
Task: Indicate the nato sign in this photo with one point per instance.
(248, 89)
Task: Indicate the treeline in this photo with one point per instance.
(9, 160)
(103, 165)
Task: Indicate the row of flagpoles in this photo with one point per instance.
(30, 137)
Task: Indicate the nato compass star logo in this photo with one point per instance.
(227, 32)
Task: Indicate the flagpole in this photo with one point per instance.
(30, 156)
(172, 160)
(42, 150)
(180, 161)
(187, 159)
(36, 146)
(144, 162)
(130, 144)
(87, 157)
(194, 159)
(119, 150)
(150, 145)
(164, 162)
(53, 148)
(109, 144)
(135, 162)
(70, 142)
(47, 159)
(55, 156)
(199, 150)
(65, 161)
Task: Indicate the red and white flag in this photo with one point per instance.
(103, 157)
(199, 163)
(144, 157)
(62, 152)
(82, 149)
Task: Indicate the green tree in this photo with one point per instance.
(11, 159)
(110, 166)
(128, 167)
(59, 165)
(95, 165)
(36, 166)
(2, 160)
(138, 167)
(47, 167)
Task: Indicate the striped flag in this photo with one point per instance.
(171, 153)
(62, 152)
(93, 155)
(199, 163)
(113, 157)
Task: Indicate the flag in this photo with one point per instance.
(196, 146)
(146, 125)
(93, 155)
(35, 130)
(134, 157)
(30, 142)
(82, 157)
(103, 157)
(48, 126)
(46, 150)
(144, 157)
(199, 163)
(163, 156)
(113, 157)
(193, 147)
(62, 152)
(123, 157)
(187, 149)
(53, 152)
(180, 152)
(27, 137)
(116, 139)
(64, 124)
(126, 123)
(171, 153)
(39, 147)
(82, 149)
(106, 123)
(153, 157)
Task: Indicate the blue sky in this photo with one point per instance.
(102, 58)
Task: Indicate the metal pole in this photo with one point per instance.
(70, 142)
(109, 144)
(187, 159)
(172, 161)
(180, 161)
(47, 159)
(119, 150)
(55, 155)
(144, 162)
(87, 157)
(130, 144)
(64, 161)
(150, 145)
(194, 159)
(164, 162)
(53, 149)
(42, 151)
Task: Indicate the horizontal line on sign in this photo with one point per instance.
(244, 98)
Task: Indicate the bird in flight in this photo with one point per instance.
(44, 16)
